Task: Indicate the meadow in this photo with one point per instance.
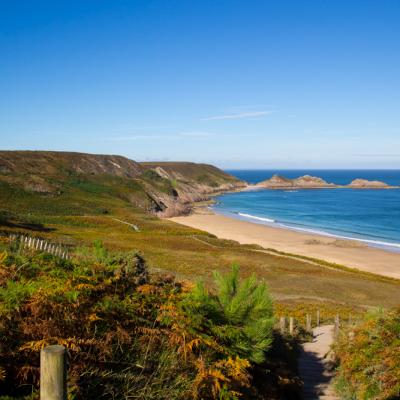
(192, 254)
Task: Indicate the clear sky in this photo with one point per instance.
(238, 83)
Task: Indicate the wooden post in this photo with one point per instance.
(317, 321)
(336, 327)
(53, 373)
(308, 323)
(291, 326)
(282, 325)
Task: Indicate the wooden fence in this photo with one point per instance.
(288, 325)
(35, 243)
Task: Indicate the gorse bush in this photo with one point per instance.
(239, 314)
(128, 336)
(369, 363)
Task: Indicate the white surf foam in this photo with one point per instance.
(256, 218)
(371, 242)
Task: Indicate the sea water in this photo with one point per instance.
(371, 216)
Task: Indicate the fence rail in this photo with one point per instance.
(35, 243)
(290, 325)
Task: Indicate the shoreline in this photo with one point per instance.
(377, 243)
(350, 253)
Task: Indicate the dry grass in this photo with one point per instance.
(85, 211)
(192, 254)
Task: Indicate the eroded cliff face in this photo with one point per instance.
(189, 186)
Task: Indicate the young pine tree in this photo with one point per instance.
(239, 314)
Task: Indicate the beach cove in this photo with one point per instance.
(348, 253)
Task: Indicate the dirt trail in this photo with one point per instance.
(314, 365)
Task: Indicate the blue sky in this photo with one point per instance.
(238, 83)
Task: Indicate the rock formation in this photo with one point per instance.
(306, 181)
(366, 184)
(313, 182)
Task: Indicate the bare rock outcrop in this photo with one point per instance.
(306, 182)
(366, 184)
(277, 181)
(313, 182)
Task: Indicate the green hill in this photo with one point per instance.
(40, 182)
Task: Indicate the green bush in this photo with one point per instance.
(126, 333)
(369, 361)
(239, 314)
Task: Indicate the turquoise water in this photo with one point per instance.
(368, 215)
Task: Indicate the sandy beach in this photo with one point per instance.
(349, 253)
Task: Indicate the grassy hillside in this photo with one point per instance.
(91, 205)
(77, 184)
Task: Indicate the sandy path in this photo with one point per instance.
(314, 365)
(356, 256)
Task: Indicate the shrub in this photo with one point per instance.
(239, 314)
(126, 335)
(369, 363)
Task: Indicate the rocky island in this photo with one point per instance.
(365, 184)
(313, 182)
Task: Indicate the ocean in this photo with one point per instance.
(368, 215)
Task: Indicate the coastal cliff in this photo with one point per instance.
(313, 182)
(88, 182)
